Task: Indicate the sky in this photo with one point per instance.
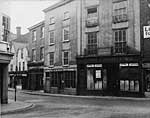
(25, 13)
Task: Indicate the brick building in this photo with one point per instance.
(36, 55)
(113, 48)
(62, 33)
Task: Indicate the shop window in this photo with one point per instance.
(129, 85)
(95, 80)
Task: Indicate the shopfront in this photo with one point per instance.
(114, 76)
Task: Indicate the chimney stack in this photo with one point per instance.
(18, 31)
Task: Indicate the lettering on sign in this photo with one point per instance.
(146, 30)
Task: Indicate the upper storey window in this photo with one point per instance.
(92, 12)
(66, 15)
(52, 20)
(120, 15)
(34, 35)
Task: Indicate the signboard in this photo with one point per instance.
(146, 30)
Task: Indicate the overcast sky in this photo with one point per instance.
(25, 13)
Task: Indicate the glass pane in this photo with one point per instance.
(98, 85)
(98, 73)
(132, 85)
(126, 85)
(90, 79)
(137, 86)
(122, 85)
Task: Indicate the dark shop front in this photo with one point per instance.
(109, 75)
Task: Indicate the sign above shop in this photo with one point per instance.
(146, 30)
(128, 64)
(93, 65)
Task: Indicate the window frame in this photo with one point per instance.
(65, 58)
(34, 35)
(41, 53)
(66, 34)
(51, 39)
(51, 60)
(120, 41)
(42, 32)
(51, 20)
(33, 54)
(66, 15)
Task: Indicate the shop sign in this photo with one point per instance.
(93, 65)
(146, 30)
(128, 64)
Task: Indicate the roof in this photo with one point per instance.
(62, 2)
(37, 25)
(23, 38)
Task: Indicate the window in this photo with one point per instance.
(66, 15)
(66, 58)
(52, 20)
(23, 66)
(92, 43)
(66, 34)
(21, 53)
(120, 15)
(19, 66)
(34, 36)
(120, 40)
(42, 32)
(92, 12)
(51, 58)
(129, 85)
(52, 36)
(41, 53)
(11, 67)
(95, 80)
(33, 55)
(68, 79)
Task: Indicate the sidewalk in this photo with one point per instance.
(13, 107)
(77, 96)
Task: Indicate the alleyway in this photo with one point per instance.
(64, 107)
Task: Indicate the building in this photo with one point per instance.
(115, 56)
(62, 33)
(5, 56)
(36, 55)
(18, 66)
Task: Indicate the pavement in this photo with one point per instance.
(13, 107)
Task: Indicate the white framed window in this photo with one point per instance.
(66, 15)
(65, 58)
(52, 36)
(52, 20)
(51, 58)
(34, 35)
(120, 37)
(33, 55)
(42, 32)
(66, 33)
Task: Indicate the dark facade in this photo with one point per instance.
(114, 52)
(36, 54)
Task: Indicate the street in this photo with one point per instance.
(66, 107)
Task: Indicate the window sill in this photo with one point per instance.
(66, 19)
(66, 65)
(51, 23)
(66, 41)
(51, 44)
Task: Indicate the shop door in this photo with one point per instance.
(113, 86)
(147, 79)
(60, 82)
